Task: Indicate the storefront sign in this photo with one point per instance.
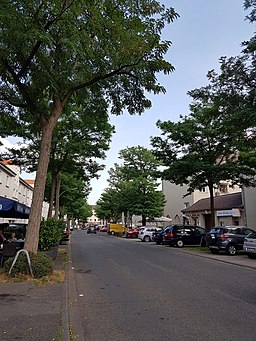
(235, 212)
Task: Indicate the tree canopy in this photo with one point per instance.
(136, 182)
(212, 142)
(57, 53)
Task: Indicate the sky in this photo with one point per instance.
(205, 31)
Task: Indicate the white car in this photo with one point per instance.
(250, 245)
(146, 233)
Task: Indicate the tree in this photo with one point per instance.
(57, 53)
(209, 145)
(108, 207)
(136, 182)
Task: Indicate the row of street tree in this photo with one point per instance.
(215, 142)
(65, 65)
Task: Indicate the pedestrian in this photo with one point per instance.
(2, 228)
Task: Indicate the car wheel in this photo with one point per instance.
(231, 250)
(146, 239)
(202, 242)
(251, 255)
(134, 235)
(112, 233)
(214, 251)
(180, 243)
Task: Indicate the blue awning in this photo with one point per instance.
(13, 209)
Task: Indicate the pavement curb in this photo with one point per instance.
(65, 335)
(75, 322)
(215, 258)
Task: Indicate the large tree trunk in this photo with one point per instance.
(53, 185)
(57, 196)
(32, 234)
(212, 205)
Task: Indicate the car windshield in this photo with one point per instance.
(219, 230)
(252, 235)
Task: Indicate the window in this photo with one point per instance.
(223, 188)
(202, 189)
(7, 181)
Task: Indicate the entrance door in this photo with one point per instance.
(207, 221)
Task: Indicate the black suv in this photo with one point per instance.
(229, 239)
(91, 229)
(181, 235)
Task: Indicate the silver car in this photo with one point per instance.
(146, 233)
(250, 245)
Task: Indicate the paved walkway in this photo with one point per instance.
(29, 312)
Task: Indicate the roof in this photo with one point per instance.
(221, 202)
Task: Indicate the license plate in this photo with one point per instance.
(251, 248)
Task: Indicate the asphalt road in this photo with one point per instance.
(133, 291)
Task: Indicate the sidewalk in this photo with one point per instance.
(240, 259)
(29, 312)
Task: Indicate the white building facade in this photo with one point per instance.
(17, 192)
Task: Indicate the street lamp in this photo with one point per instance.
(68, 190)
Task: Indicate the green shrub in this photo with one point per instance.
(51, 232)
(40, 263)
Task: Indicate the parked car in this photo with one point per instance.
(157, 237)
(180, 235)
(104, 229)
(91, 229)
(133, 233)
(65, 236)
(229, 239)
(146, 233)
(250, 245)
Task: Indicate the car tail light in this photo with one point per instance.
(170, 235)
(223, 236)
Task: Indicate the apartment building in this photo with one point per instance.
(178, 202)
(15, 195)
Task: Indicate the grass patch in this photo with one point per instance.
(198, 249)
(56, 277)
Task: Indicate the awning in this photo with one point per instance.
(13, 209)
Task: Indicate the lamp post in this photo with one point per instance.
(57, 200)
(68, 190)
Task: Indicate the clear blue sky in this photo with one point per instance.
(205, 31)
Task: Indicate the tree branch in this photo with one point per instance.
(38, 43)
(99, 78)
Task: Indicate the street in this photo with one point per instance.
(135, 291)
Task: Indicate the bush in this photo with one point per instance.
(40, 263)
(51, 232)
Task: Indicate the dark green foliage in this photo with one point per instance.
(133, 187)
(51, 231)
(41, 265)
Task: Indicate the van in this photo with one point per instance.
(180, 235)
(116, 229)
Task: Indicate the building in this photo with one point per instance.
(249, 205)
(15, 195)
(177, 199)
(228, 211)
(93, 219)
